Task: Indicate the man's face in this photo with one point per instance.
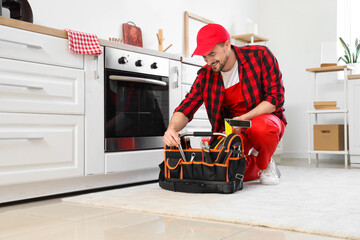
(218, 57)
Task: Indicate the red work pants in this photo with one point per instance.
(264, 135)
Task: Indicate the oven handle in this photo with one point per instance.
(137, 79)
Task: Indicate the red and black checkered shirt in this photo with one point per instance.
(260, 79)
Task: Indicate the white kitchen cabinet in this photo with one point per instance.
(36, 147)
(34, 47)
(354, 118)
(32, 87)
(42, 92)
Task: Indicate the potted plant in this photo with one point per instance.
(351, 58)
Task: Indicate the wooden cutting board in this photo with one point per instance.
(132, 35)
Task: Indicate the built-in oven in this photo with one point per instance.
(136, 100)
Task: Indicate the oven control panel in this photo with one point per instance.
(136, 62)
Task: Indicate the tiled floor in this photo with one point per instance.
(53, 219)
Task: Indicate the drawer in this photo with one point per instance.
(36, 147)
(36, 47)
(38, 88)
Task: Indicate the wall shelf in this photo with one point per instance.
(250, 38)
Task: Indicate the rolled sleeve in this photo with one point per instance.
(273, 85)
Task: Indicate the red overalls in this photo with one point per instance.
(264, 135)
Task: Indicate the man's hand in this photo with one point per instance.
(178, 121)
(171, 137)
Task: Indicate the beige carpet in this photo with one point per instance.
(313, 200)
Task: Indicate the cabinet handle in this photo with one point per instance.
(177, 77)
(97, 67)
(20, 43)
(21, 138)
(21, 86)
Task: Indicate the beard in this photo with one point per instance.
(219, 65)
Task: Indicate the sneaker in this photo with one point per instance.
(271, 175)
(253, 152)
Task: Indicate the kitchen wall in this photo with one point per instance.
(105, 18)
(295, 29)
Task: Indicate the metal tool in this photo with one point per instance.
(193, 155)
(182, 152)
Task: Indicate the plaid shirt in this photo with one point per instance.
(260, 79)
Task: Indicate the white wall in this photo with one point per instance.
(296, 30)
(105, 18)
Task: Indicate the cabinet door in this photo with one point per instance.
(354, 117)
(189, 73)
(37, 147)
(36, 47)
(31, 87)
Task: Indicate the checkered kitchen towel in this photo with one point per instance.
(83, 43)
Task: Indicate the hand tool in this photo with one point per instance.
(192, 157)
(182, 152)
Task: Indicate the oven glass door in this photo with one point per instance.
(136, 111)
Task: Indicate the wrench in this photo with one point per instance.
(182, 152)
(192, 157)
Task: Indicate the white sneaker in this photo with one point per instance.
(253, 152)
(271, 175)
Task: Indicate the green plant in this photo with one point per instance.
(348, 56)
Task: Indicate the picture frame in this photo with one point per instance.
(187, 23)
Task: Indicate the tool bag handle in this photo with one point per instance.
(202, 134)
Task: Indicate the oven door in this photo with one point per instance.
(136, 110)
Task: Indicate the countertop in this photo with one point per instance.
(62, 34)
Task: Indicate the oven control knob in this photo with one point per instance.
(154, 66)
(122, 60)
(138, 63)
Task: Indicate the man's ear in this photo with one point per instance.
(228, 45)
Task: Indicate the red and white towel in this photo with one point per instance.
(83, 43)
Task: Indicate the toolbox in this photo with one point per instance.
(217, 170)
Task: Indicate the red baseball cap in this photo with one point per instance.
(208, 36)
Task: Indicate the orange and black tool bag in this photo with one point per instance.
(220, 170)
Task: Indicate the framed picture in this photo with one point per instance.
(192, 23)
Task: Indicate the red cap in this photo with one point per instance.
(208, 36)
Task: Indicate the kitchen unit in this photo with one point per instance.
(41, 108)
(354, 118)
(52, 136)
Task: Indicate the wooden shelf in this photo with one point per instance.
(247, 38)
(354, 76)
(329, 152)
(327, 111)
(327, 69)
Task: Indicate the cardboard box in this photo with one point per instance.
(325, 105)
(329, 137)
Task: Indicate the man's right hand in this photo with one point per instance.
(171, 137)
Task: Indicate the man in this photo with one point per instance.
(243, 83)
